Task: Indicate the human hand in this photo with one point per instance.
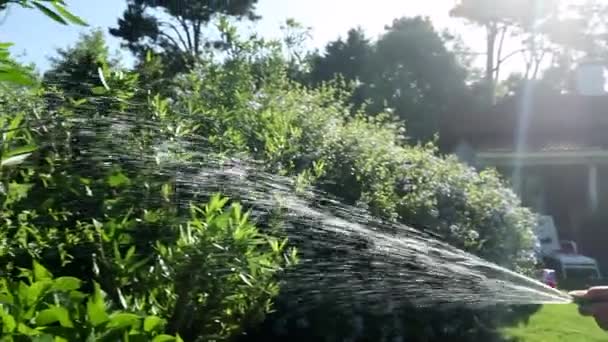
(593, 302)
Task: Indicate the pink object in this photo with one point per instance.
(549, 278)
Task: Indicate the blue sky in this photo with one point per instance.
(36, 37)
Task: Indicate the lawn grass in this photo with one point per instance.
(558, 323)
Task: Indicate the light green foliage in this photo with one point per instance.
(206, 275)
(38, 307)
(246, 105)
(219, 274)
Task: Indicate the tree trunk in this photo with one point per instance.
(492, 32)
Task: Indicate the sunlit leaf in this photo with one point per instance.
(152, 323)
(49, 13)
(122, 320)
(66, 284)
(15, 160)
(164, 338)
(41, 273)
(55, 314)
(96, 309)
(118, 179)
(68, 15)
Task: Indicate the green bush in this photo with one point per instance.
(94, 199)
(98, 200)
(311, 135)
(42, 308)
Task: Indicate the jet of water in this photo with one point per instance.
(345, 253)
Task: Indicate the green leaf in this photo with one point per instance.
(53, 315)
(68, 15)
(25, 330)
(164, 338)
(152, 323)
(66, 284)
(8, 322)
(245, 280)
(49, 13)
(99, 90)
(15, 160)
(46, 338)
(16, 192)
(123, 320)
(98, 225)
(41, 273)
(15, 76)
(20, 150)
(37, 290)
(96, 308)
(118, 179)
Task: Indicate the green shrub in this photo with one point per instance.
(95, 201)
(311, 135)
(39, 307)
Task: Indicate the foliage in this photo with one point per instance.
(40, 307)
(408, 70)
(175, 29)
(89, 178)
(247, 104)
(88, 204)
(76, 70)
(504, 19)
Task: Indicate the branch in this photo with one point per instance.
(163, 34)
(184, 25)
(504, 30)
(179, 35)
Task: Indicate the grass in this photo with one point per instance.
(558, 323)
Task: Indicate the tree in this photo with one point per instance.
(175, 28)
(75, 70)
(503, 18)
(348, 58)
(408, 70)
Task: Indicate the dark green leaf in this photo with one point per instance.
(49, 13)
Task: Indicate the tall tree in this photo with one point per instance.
(349, 58)
(408, 70)
(75, 69)
(174, 28)
(501, 19)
